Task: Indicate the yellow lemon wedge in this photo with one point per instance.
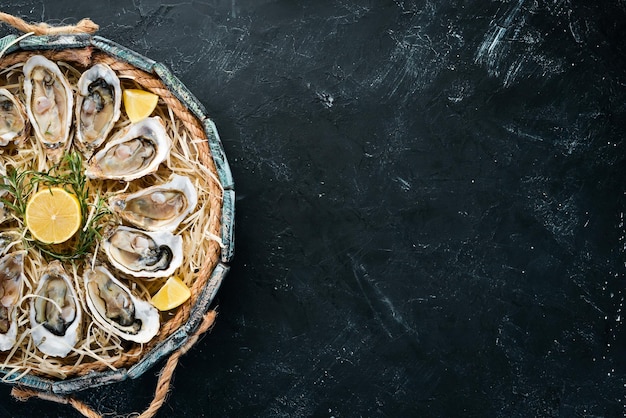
(53, 215)
(173, 294)
(139, 104)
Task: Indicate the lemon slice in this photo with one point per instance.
(139, 104)
(173, 294)
(53, 215)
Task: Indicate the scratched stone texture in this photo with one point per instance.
(430, 205)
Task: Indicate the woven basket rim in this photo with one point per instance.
(175, 331)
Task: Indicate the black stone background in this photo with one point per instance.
(430, 205)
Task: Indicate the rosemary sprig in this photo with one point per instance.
(87, 236)
(14, 183)
(68, 174)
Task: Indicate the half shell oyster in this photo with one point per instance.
(14, 123)
(11, 285)
(55, 312)
(133, 152)
(8, 239)
(144, 254)
(49, 103)
(97, 106)
(116, 309)
(158, 208)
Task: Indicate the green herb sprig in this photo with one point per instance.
(69, 175)
(14, 182)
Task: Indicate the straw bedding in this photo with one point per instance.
(98, 349)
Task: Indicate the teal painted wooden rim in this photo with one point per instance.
(13, 43)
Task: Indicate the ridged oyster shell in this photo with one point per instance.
(133, 152)
(116, 309)
(14, 125)
(55, 312)
(144, 254)
(157, 208)
(11, 285)
(49, 103)
(97, 106)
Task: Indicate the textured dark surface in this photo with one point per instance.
(430, 205)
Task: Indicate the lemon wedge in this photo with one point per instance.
(53, 215)
(139, 104)
(173, 294)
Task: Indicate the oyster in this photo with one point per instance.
(14, 123)
(133, 152)
(97, 106)
(11, 284)
(49, 103)
(55, 312)
(144, 254)
(157, 208)
(116, 309)
(8, 239)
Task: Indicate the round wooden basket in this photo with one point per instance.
(195, 316)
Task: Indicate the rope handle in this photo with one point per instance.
(162, 387)
(83, 26)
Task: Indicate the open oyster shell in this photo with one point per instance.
(97, 107)
(133, 152)
(144, 254)
(11, 285)
(49, 103)
(158, 208)
(8, 239)
(14, 125)
(55, 312)
(116, 309)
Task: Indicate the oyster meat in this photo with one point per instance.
(144, 254)
(55, 312)
(97, 106)
(11, 284)
(157, 208)
(49, 102)
(116, 309)
(8, 239)
(14, 123)
(133, 152)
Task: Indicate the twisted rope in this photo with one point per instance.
(162, 387)
(83, 26)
